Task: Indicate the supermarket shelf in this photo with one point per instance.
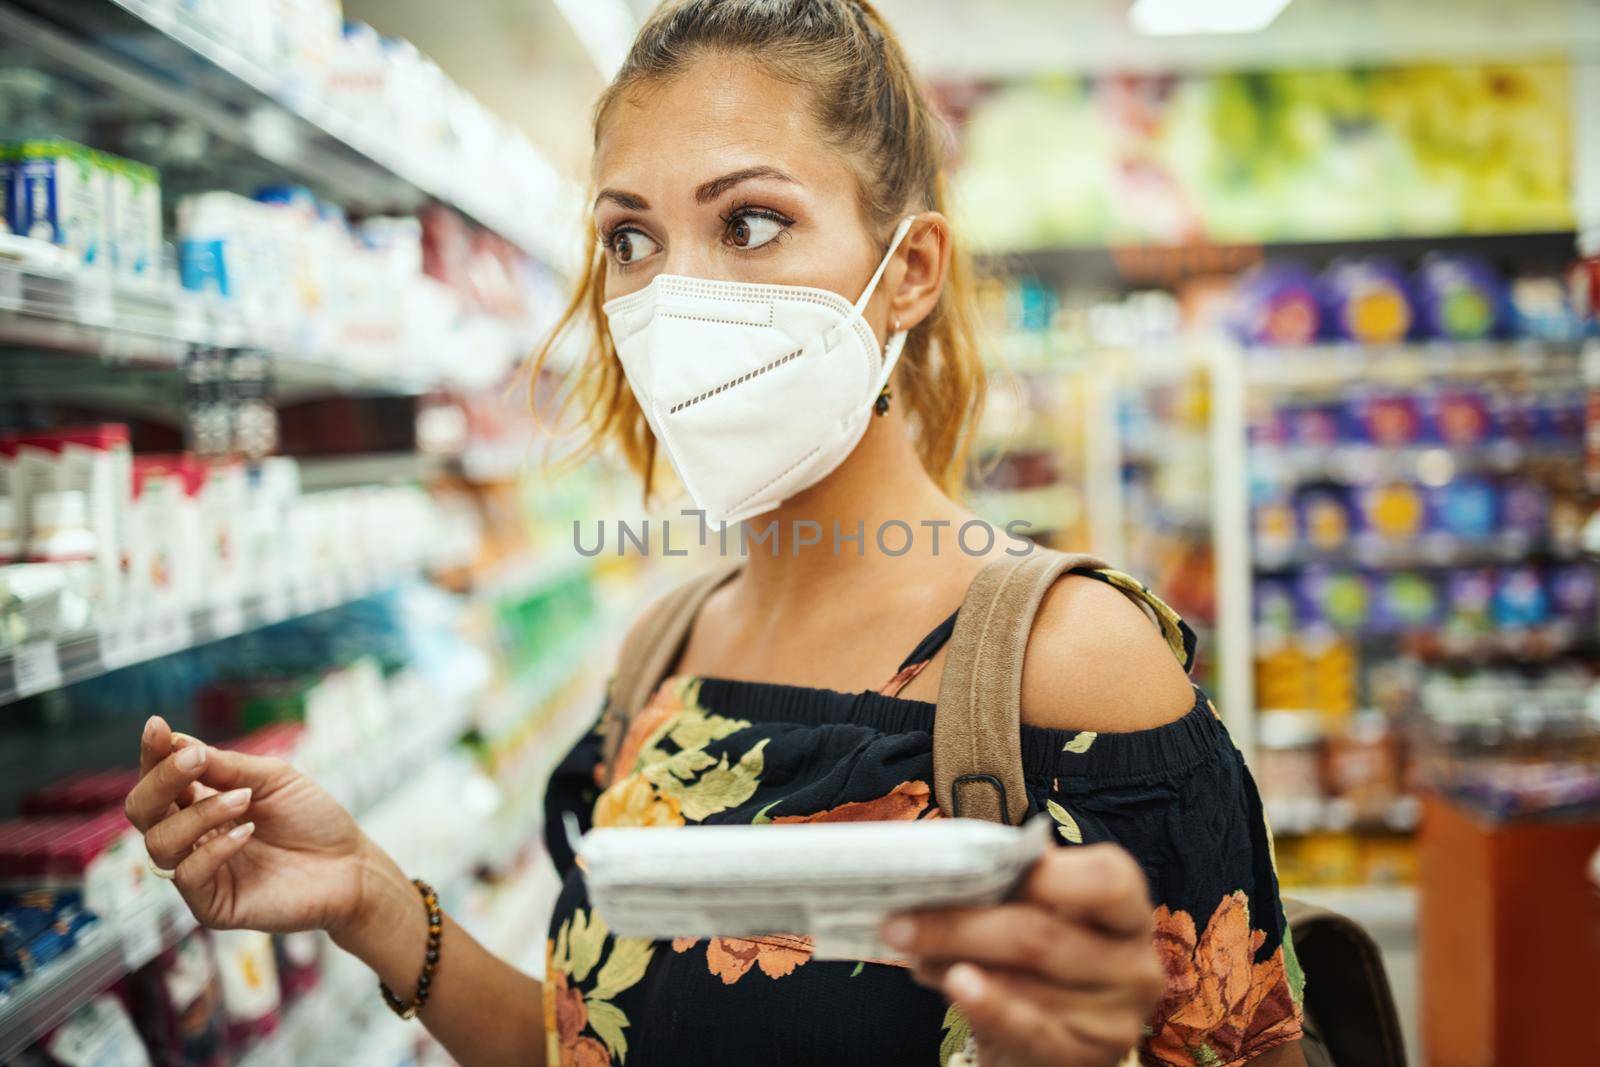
(1048, 507)
(367, 468)
(112, 949)
(103, 954)
(559, 664)
(40, 666)
(1150, 264)
(45, 306)
(147, 55)
(323, 1009)
(1289, 818)
(1342, 365)
(1425, 552)
(1353, 464)
(1380, 909)
(55, 309)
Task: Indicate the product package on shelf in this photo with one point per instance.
(375, 297)
(59, 195)
(93, 861)
(101, 538)
(177, 1002)
(99, 1034)
(102, 210)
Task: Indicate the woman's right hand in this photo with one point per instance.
(253, 842)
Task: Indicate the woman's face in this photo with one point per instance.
(721, 173)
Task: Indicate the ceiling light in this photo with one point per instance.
(1165, 18)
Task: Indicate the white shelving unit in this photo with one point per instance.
(39, 666)
(202, 79)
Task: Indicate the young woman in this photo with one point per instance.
(759, 165)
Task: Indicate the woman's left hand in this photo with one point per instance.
(1064, 975)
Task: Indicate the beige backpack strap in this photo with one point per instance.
(651, 648)
(977, 729)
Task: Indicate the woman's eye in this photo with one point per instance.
(752, 231)
(630, 246)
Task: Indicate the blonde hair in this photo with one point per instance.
(867, 101)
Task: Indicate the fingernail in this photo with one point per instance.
(242, 831)
(897, 933)
(149, 727)
(191, 758)
(236, 798)
(965, 982)
(181, 740)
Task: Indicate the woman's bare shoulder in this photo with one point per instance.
(1095, 661)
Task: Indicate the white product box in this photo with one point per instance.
(135, 211)
(59, 196)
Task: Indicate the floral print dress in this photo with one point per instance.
(715, 750)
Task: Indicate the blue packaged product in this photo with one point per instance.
(18, 927)
(1541, 308)
(60, 195)
(1465, 509)
(1520, 599)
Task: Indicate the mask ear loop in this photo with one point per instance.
(897, 340)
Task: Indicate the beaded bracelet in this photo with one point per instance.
(431, 960)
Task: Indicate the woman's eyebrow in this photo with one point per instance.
(630, 201)
(717, 186)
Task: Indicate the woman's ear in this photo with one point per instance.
(925, 251)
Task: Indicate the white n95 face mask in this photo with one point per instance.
(754, 391)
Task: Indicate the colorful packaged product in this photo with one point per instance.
(1339, 599)
(1459, 297)
(1469, 596)
(1465, 509)
(177, 998)
(134, 211)
(1395, 512)
(1520, 599)
(59, 196)
(1326, 519)
(1524, 510)
(299, 957)
(1275, 608)
(1573, 593)
(1366, 301)
(1276, 528)
(1392, 420)
(251, 997)
(1362, 764)
(99, 1034)
(1316, 425)
(1459, 417)
(1406, 600)
(1541, 309)
(1275, 304)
